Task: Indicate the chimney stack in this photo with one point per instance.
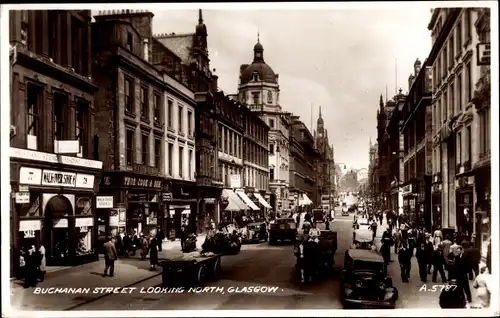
(215, 83)
(146, 49)
(417, 66)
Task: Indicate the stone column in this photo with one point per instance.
(66, 39)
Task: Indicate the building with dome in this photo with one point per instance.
(259, 90)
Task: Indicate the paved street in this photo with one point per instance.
(256, 265)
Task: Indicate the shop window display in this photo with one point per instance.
(83, 240)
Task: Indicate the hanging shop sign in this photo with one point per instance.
(60, 223)
(209, 200)
(22, 197)
(29, 225)
(84, 222)
(166, 196)
(104, 202)
(407, 189)
(30, 175)
(483, 53)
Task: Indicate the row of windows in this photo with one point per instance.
(60, 119)
(256, 96)
(155, 161)
(256, 154)
(157, 108)
(229, 141)
(256, 130)
(453, 100)
(452, 49)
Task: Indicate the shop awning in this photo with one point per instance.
(247, 200)
(261, 200)
(235, 203)
(305, 200)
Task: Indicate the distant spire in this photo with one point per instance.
(200, 16)
(381, 102)
(319, 111)
(258, 36)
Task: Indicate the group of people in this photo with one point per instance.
(33, 263)
(456, 262)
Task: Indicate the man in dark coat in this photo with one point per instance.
(153, 253)
(423, 261)
(32, 259)
(404, 259)
(110, 256)
(385, 249)
(160, 237)
(452, 296)
(438, 262)
(458, 271)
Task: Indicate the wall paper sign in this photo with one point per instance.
(57, 178)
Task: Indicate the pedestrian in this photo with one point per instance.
(404, 263)
(385, 249)
(144, 246)
(374, 229)
(160, 236)
(429, 251)
(422, 261)
(452, 297)
(110, 256)
(481, 284)
(381, 218)
(43, 262)
(184, 235)
(438, 235)
(438, 262)
(153, 252)
(459, 270)
(327, 225)
(473, 258)
(447, 252)
(31, 265)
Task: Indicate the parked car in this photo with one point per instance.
(255, 232)
(282, 229)
(364, 283)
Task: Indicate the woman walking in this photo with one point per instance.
(43, 262)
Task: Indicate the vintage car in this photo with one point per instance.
(364, 283)
(345, 209)
(282, 229)
(254, 232)
(315, 259)
(318, 215)
(363, 239)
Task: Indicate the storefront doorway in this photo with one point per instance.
(57, 228)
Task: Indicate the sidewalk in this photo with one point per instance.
(410, 295)
(128, 271)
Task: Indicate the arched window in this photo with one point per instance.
(255, 76)
(269, 97)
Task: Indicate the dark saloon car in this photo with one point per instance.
(282, 229)
(364, 283)
(255, 232)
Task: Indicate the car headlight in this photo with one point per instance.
(388, 295)
(348, 292)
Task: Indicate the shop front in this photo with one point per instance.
(139, 207)
(182, 208)
(482, 213)
(465, 205)
(409, 194)
(53, 203)
(209, 207)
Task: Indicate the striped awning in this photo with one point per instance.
(247, 200)
(235, 203)
(262, 200)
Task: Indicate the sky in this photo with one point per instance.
(341, 60)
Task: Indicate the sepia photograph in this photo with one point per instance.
(186, 159)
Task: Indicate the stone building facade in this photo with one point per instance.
(55, 165)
